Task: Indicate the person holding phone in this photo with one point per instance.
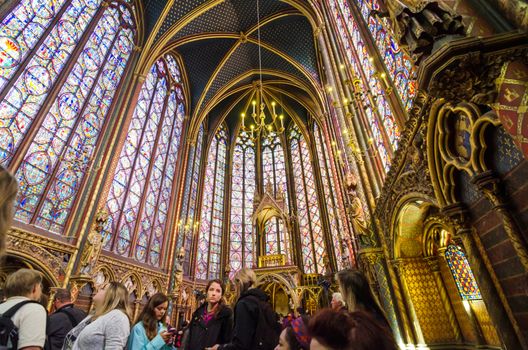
(212, 322)
(150, 331)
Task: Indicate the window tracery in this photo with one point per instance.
(243, 186)
(308, 215)
(60, 66)
(212, 213)
(140, 195)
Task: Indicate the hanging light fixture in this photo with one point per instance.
(258, 125)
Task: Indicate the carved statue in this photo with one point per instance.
(355, 210)
(416, 155)
(419, 24)
(178, 270)
(93, 244)
(269, 188)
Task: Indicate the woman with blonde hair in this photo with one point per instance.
(109, 326)
(8, 192)
(256, 325)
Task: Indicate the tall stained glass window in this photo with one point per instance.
(242, 243)
(338, 228)
(274, 175)
(462, 273)
(308, 215)
(398, 63)
(61, 63)
(188, 223)
(212, 213)
(140, 195)
(383, 128)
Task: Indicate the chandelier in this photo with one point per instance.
(259, 124)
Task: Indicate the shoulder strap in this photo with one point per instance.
(72, 319)
(12, 311)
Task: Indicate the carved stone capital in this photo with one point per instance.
(488, 183)
(371, 256)
(433, 263)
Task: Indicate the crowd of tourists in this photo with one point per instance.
(354, 321)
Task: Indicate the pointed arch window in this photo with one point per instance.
(212, 213)
(242, 245)
(274, 174)
(338, 228)
(140, 195)
(462, 273)
(188, 224)
(308, 214)
(61, 63)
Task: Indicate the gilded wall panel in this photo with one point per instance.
(427, 303)
(135, 277)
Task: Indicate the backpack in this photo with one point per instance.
(72, 319)
(8, 330)
(268, 327)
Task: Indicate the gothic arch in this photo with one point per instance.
(289, 286)
(32, 262)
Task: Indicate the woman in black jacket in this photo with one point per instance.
(212, 323)
(256, 325)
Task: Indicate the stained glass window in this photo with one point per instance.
(383, 128)
(338, 228)
(55, 94)
(308, 215)
(212, 213)
(274, 175)
(399, 65)
(462, 273)
(242, 244)
(188, 224)
(140, 194)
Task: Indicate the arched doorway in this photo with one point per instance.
(281, 289)
(442, 297)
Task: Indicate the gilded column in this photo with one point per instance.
(373, 258)
(351, 132)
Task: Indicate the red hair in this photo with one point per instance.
(346, 331)
(331, 328)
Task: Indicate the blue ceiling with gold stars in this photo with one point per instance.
(218, 42)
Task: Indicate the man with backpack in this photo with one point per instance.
(23, 320)
(63, 320)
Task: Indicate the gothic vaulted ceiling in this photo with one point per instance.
(218, 43)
